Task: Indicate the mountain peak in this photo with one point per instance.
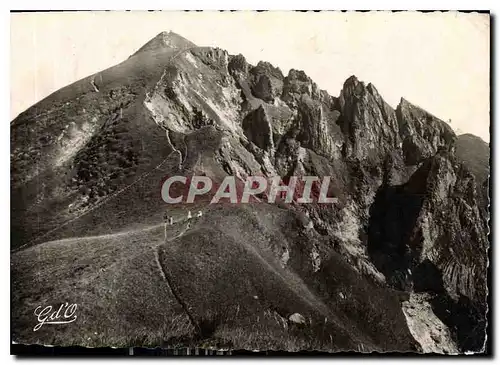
(407, 235)
(166, 40)
(403, 102)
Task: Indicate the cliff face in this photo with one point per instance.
(408, 219)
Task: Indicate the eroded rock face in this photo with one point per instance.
(411, 220)
(427, 236)
(267, 82)
(433, 335)
(296, 84)
(422, 133)
(368, 122)
(408, 216)
(258, 128)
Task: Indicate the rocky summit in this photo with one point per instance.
(398, 263)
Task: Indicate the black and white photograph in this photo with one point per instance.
(273, 181)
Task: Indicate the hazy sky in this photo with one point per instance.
(439, 61)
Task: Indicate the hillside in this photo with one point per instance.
(397, 264)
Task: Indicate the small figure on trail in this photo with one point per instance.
(199, 214)
(165, 219)
(189, 216)
(168, 221)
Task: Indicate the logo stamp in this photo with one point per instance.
(51, 315)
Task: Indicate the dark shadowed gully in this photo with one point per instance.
(397, 263)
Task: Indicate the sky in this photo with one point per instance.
(439, 61)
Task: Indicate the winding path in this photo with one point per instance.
(167, 277)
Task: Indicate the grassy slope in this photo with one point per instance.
(475, 153)
(236, 290)
(42, 202)
(114, 280)
(227, 269)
